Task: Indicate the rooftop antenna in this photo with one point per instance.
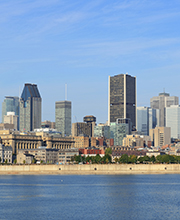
(66, 92)
(164, 90)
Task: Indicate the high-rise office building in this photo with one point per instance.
(147, 118)
(161, 102)
(173, 120)
(30, 108)
(10, 104)
(160, 136)
(63, 117)
(143, 120)
(122, 98)
(85, 128)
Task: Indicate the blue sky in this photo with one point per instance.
(54, 42)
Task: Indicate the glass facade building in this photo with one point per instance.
(30, 108)
(102, 131)
(147, 118)
(118, 132)
(10, 104)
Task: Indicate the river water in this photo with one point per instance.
(90, 197)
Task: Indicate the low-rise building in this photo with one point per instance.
(43, 154)
(65, 155)
(137, 140)
(24, 158)
(92, 151)
(5, 153)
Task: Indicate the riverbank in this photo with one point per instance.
(90, 169)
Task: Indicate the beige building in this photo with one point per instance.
(5, 153)
(137, 140)
(81, 142)
(47, 124)
(65, 155)
(6, 126)
(31, 140)
(11, 118)
(160, 136)
(24, 157)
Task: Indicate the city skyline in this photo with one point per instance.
(56, 42)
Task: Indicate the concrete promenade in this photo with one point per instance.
(90, 169)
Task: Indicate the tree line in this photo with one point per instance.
(125, 159)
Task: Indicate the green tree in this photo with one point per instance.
(132, 159)
(97, 158)
(6, 161)
(123, 158)
(15, 161)
(159, 158)
(24, 161)
(168, 159)
(153, 159)
(108, 150)
(33, 161)
(106, 158)
(116, 159)
(88, 158)
(0, 159)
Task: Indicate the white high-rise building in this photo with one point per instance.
(173, 120)
(161, 102)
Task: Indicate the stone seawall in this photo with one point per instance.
(91, 169)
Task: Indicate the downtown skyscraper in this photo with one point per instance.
(30, 108)
(122, 98)
(63, 117)
(11, 104)
(161, 102)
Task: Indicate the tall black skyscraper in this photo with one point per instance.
(122, 98)
(30, 108)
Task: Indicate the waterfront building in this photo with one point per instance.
(46, 155)
(11, 118)
(161, 102)
(91, 151)
(10, 104)
(65, 155)
(5, 153)
(160, 136)
(30, 108)
(63, 117)
(173, 120)
(122, 98)
(34, 140)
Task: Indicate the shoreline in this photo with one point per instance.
(90, 169)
